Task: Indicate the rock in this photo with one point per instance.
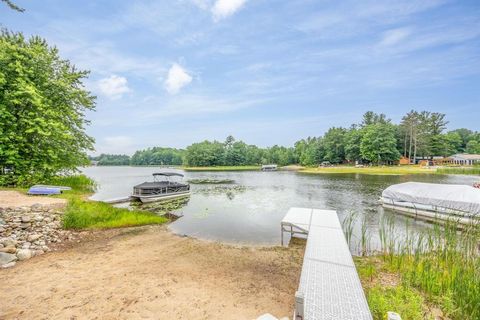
(39, 252)
(2, 222)
(9, 242)
(26, 245)
(8, 250)
(33, 237)
(2, 229)
(6, 258)
(36, 207)
(9, 265)
(24, 254)
(26, 219)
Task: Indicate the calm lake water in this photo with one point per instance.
(249, 211)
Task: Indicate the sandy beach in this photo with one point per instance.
(150, 273)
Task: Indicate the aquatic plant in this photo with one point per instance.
(211, 181)
(162, 207)
(441, 262)
(347, 224)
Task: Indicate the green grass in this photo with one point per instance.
(82, 214)
(459, 170)
(442, 263)
(223, 168)
(85, 214)
(404, 300)
(376, 170)
(79, 183)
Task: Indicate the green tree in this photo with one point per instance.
(371, 117)
(452, 142)
(473, 147)
(42, 107)
(12, 5)
(334, 144)
(353, 138)
(379, 144)
(205, 154)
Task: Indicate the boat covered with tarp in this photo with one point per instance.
(162, 187)
(434, 202)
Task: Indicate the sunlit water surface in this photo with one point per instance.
(249, 211)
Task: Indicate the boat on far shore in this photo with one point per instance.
(161, 188)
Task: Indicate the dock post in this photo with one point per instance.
(281, 233)
(299, 303)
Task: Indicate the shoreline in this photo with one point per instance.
(374, 170)
(110, 273)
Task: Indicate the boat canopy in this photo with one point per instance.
(451, 196)
(168, 174)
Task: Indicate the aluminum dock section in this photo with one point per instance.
(329, 284)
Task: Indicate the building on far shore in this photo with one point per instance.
(465, 159)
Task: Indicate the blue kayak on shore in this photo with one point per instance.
(43, 191)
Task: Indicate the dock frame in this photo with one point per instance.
(329, 287)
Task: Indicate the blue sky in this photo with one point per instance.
(169, 73)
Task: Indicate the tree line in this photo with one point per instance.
(375, 139)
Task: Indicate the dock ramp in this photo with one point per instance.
(329, 284)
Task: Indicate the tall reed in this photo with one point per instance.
(440, 261)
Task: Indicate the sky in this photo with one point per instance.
(170, 73)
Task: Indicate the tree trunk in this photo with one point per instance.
(410, 145)
(414, 150)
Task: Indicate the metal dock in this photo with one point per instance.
(329, 284)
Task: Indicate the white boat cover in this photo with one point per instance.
(451, 196)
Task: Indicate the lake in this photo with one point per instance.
(249, 210)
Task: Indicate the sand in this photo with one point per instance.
(17, 199)
(150, 273)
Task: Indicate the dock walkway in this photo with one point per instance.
(329, 284)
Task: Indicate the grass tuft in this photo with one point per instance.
(442, 263)
(405, 301)
(79, 183)
(80, 214)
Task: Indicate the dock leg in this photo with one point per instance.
(281, 233)
(299, 304)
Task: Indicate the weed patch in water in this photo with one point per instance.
(211, 181)
(163, 207)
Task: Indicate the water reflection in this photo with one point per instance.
(249, 210)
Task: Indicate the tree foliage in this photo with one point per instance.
(157, 156)
(12, 5)
(42, 107)
(378, 144)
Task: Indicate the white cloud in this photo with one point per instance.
(394, 36)
(225, 8)
(118, 141)
(177, 79)
(202, 4)
(114, 86)
(116, 145)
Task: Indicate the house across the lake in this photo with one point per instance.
(465, 159)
